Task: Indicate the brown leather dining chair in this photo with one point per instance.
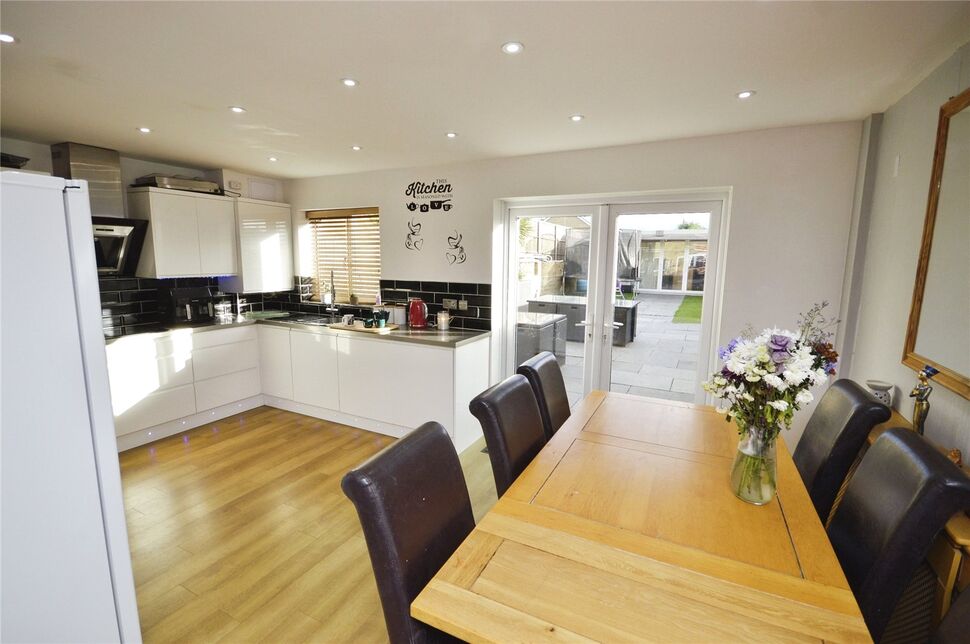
(833, 438)
(899, 498)
(415, 511)
(509, 415)
(544, 375)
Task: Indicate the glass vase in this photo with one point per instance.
(753, 472)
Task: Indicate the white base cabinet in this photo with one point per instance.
(275, 365)
(314, 362)
(162, 384)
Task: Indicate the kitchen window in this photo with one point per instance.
(346, 241)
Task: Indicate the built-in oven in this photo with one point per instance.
(117, 244)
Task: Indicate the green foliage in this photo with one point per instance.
(689, 311)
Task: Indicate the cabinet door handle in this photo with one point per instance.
(615, 325)
(584, 323)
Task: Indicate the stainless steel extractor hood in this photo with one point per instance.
(100, 167)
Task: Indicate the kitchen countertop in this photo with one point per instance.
(538, 319)
(580, 299)
(304, 322)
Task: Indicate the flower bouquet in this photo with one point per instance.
(766, 378)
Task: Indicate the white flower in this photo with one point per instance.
(780, 405)
(804, 397)
(795, 376)
(774, 381)
(747, 397)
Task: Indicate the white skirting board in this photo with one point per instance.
(147, 435)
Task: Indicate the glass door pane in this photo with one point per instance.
(654, 344)
(673, 266)
(552, 264)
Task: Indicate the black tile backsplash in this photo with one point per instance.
(130, 304)
(478, 296)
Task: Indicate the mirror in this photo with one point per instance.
(938, 333)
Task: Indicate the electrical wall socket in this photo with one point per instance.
(449, 303)
(462, 305)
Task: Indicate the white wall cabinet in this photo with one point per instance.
(315, 376)
(189, 234)
(265, 256)
(275, 366)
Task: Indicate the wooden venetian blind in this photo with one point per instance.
(347, 242)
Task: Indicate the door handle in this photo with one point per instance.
(614, 325)
(584, 323)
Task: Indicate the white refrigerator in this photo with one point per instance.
(65, 567)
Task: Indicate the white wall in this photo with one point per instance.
(792, 200)
(896, 222)
(131, 168)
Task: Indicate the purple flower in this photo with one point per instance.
(778, 345)
(724, 352)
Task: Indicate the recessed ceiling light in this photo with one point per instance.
(7, 38)
(451, 135)
(237, 109)
(576, 118)
(145, 130)
(513, 47)
(273, 159)
(348, 82)
(748, 93)
(355, 148)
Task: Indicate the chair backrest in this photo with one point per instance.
(833, 439)
(414, 510)
(544, 375)
(513, 430)
(899, 498)
(955, 627)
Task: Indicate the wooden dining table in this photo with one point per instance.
(624, 528)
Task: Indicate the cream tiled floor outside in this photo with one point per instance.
(661, 362)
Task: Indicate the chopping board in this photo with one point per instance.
(350, 327)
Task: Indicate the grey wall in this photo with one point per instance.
(908, 133)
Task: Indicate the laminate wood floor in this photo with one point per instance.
(239, 531)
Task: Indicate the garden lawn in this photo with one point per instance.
(689, 311)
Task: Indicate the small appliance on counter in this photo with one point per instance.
(417, 313)
(187, 305)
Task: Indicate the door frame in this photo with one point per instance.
(713, 289)
(502, 361)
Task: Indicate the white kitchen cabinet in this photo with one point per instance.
(226, 389)
(265, 257)
(275, 365)
(217, 236)
(189, 234)
(396, 382)
(315, 374)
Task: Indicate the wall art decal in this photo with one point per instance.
(414, 240)
(426, 197)
(455, 252)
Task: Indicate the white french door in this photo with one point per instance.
(560, 267)
(650, 349)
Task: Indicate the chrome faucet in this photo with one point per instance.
(332, 309)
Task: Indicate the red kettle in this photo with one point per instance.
(417, 314)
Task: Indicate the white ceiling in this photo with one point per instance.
(94, 72)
